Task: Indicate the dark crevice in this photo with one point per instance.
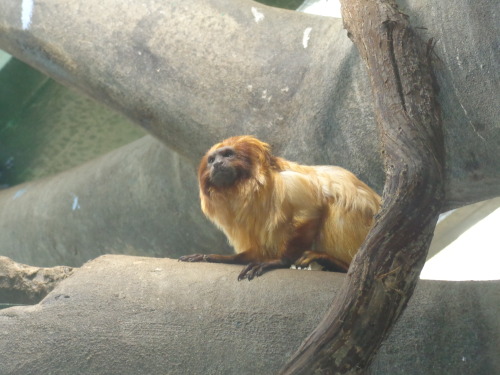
(390, 28)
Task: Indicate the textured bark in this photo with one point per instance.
(383, 275)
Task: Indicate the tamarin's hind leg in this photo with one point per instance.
(328, 262)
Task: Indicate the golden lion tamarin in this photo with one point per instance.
(276, 213)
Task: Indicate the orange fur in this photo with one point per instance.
(276, 212)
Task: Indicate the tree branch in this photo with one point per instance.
(383, 275)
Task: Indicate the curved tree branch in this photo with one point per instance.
(383, 275)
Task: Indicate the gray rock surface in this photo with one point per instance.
(139, 199)
(135, 315)
(23, 284)
(195, 72)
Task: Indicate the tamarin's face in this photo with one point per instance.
(231, 162)
(221, 166)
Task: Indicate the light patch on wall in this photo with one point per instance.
(258, 16)
(306, 37)
(329, 8)
(76, 204)
(26, 13)
(474, 255)
(19, 194)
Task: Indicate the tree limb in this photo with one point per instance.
(383, 275)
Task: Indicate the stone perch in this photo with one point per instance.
(135, 315)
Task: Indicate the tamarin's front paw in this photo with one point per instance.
(193, 258)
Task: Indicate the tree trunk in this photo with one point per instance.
(383, 275)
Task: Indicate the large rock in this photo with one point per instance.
(194, 72)
(20, 283)
(132, 315)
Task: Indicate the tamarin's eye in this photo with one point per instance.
(227, 153)
(211, 159)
